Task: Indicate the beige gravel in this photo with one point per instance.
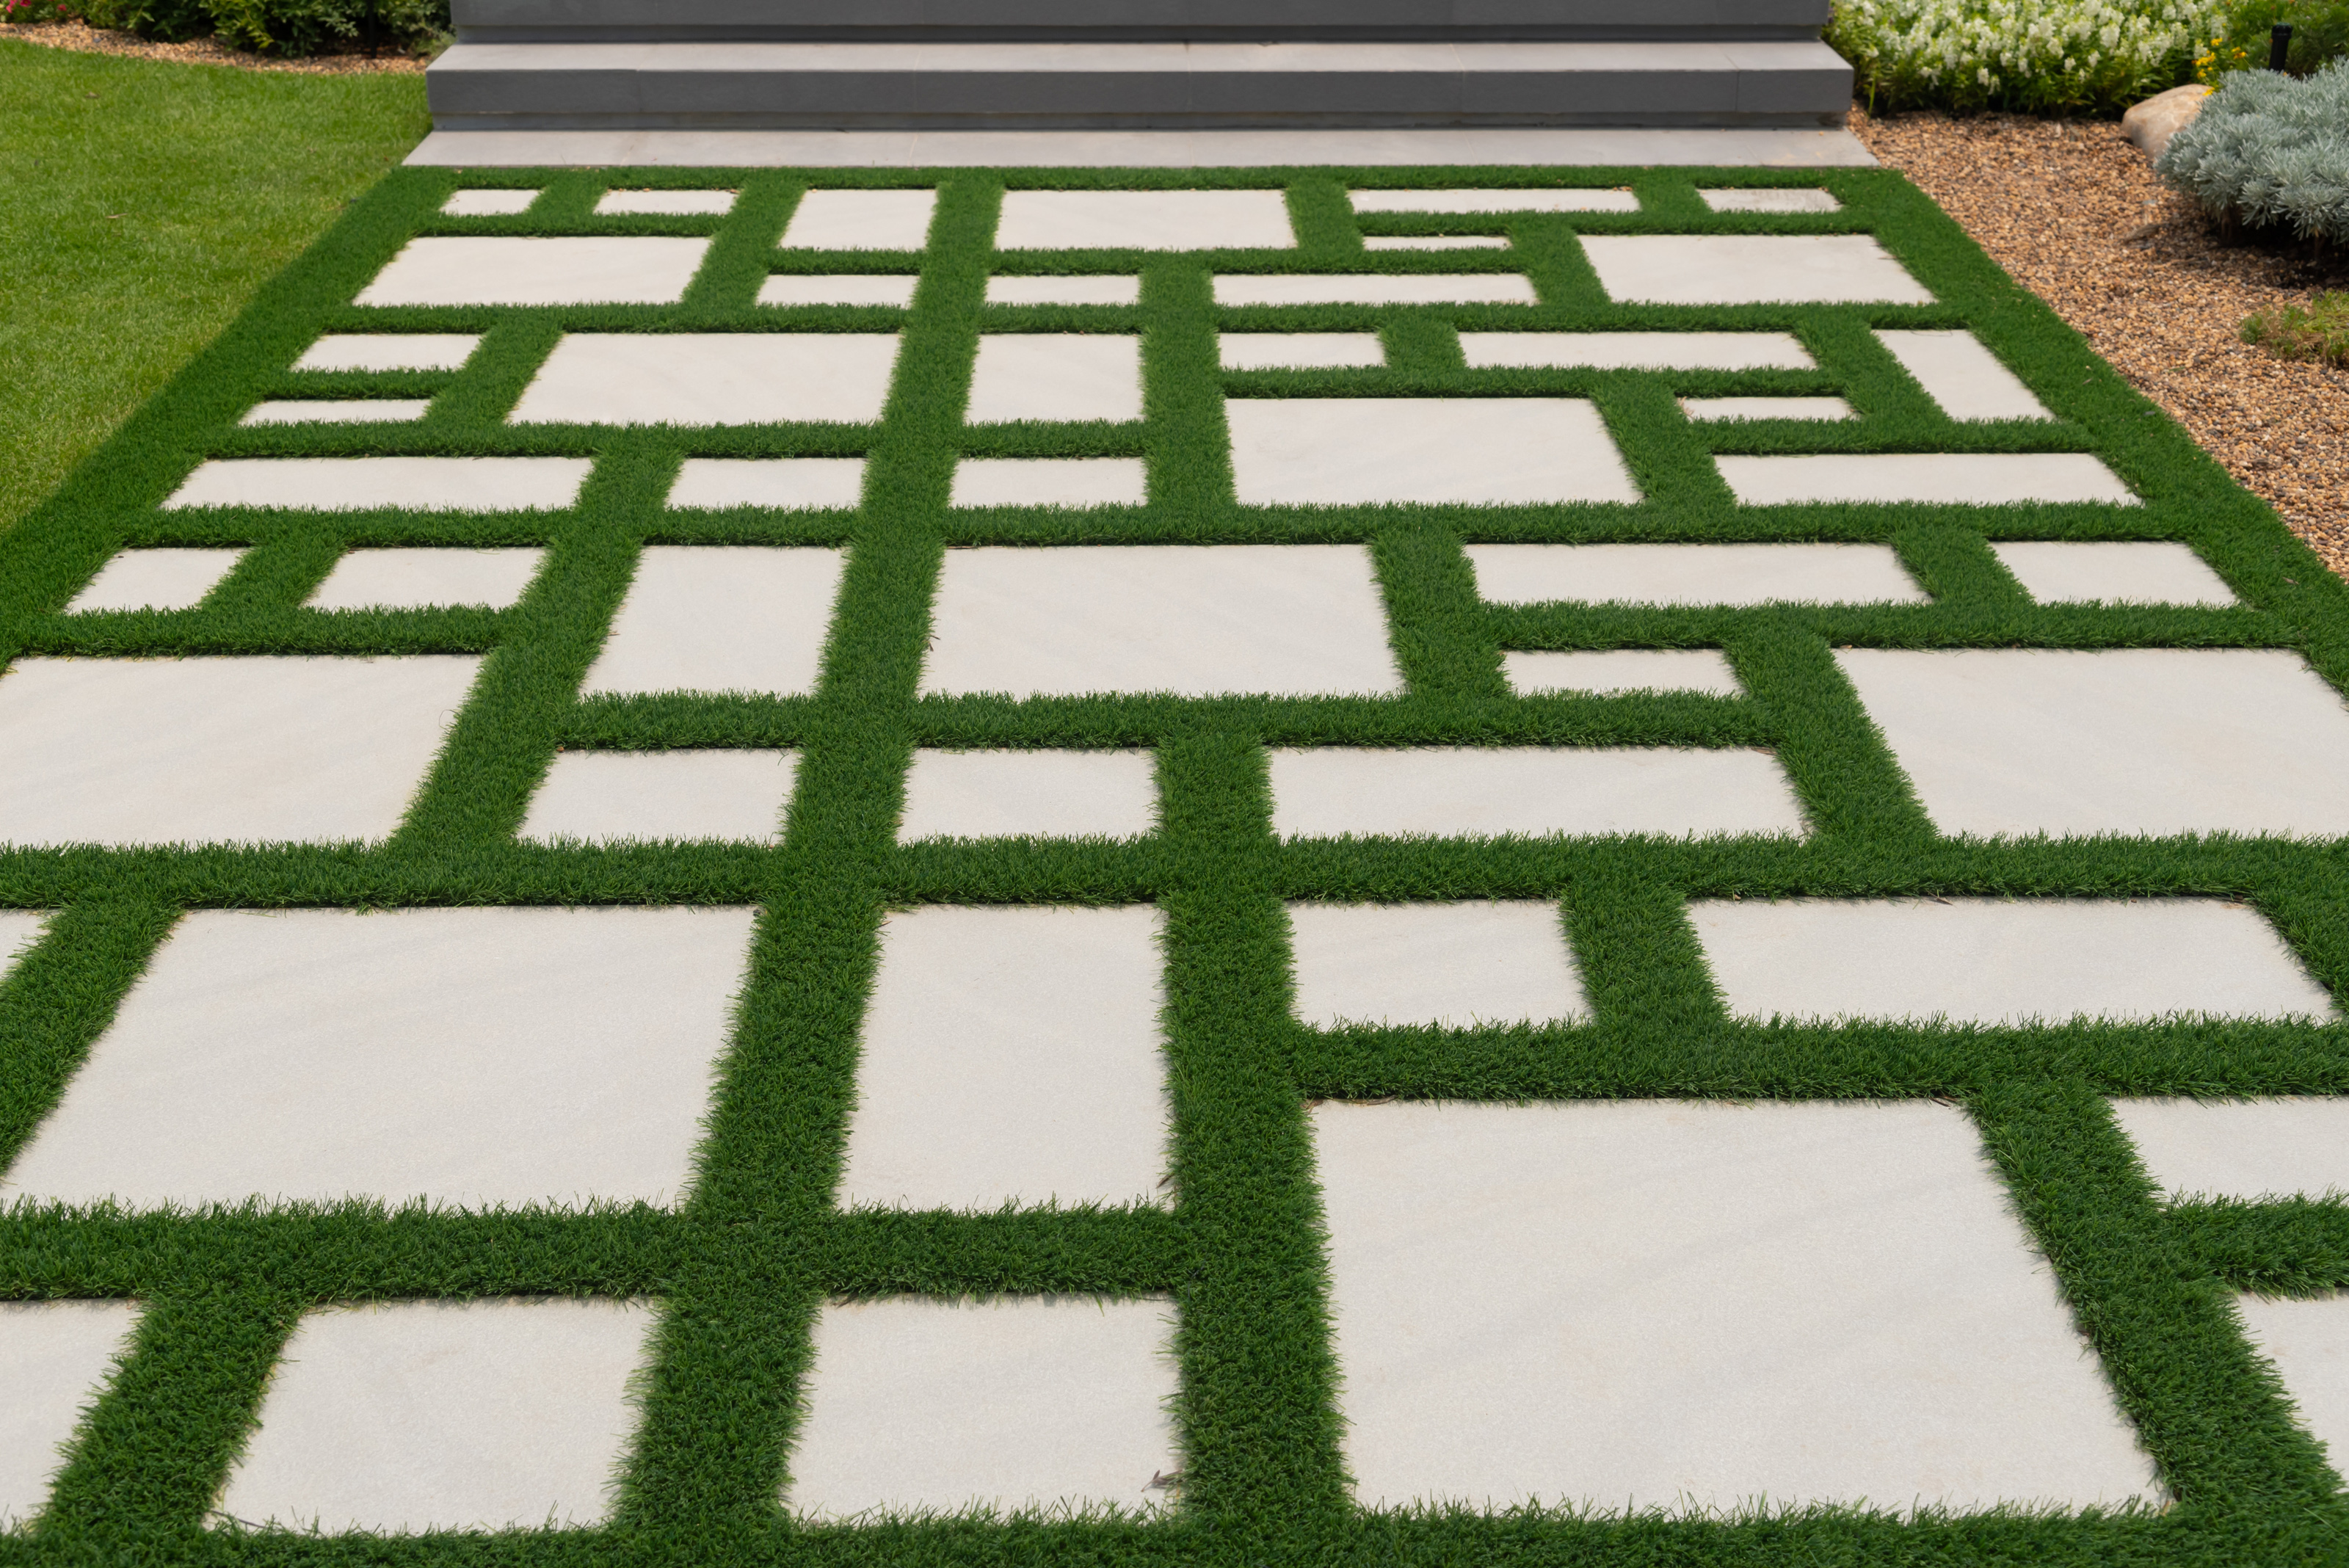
(200, 51)
(2078, 217)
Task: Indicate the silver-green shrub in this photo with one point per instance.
(2271, 150)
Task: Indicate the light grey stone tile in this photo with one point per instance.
(1714, 409)
(403, 1417)
(1750, 269)
(578, 269)
(2139, 740)
(2005, 963)
(488, 203)
(711, 379)
(1488, 452)
(1635, 350)
(334, 410)
(2296, 1147)
(1691, 574)
(917, 1405)
(1468, 200)
(167, 579)
(1119, 288)
(2119, 572)
(1771, 200)
(1484, 792)
(666, 203)
(1605, 672)
(782, 483)
(892, 290)
(422, 579)
(1144, 220)
(1056, 376)
(1962, 376)
(861, 221)
(1299, 350)
(2308, 1342)
(1374, 288)
(720, 618)
(1030, 794)
(1011, 1055)
(1189, 620)
(388, 351)
(1455, 966)
(1648, 1303)
(20, 932)
(1050, 482)
(365, 483)
(1923, 479)
(199, 751)
(690, 796)
(1434, 243)
(56, 1358)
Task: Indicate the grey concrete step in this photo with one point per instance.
(974, 85)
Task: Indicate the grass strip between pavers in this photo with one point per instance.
(743, 1266)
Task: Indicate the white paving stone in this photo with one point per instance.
(1775, 199)
(155, 579)
(919, 1406)
(2139, 740)
(861, 221)
(1712, 409)
(1478, 791)
(1691, 574)
(1693, 1307)
(2308, 1341)
(1056, 376)
(1375, 288)
(488, 203)
(2120, 571)
(403, 1417)
(334, 410)
(720, 618)
(1145, 221)
(1962, 376)
(579, 269)
(1923, 479)
(366, 484)
(711, 379)
(388, 351)
(1635, 351)
(20, 931)
(168, 750)
(1118, 288)
(1050, 482)
(780, 483)
(1038, 795)
(463, 1056)
(611, 797)
(1455, 966)
(1467, 201)
(422, 579)
(1192, 620)
(894, 290)
(1750, 269)
(665, 203)
(1011, 1055)
(2295, 1146)
(1605, 674)
(1474, 451)
(2003, 962)
(56, 1358)
(1436, 243)
(1299, 350)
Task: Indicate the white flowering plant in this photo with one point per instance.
(2039, 57)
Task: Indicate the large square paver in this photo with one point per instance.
(369, 484)
(778, 484)
(1145, 221)
(2117, 572)
(665, 203)
(1008, 1404)
(1011, 1055)
(1029, 795)
(1474, 451)
(1923, 479)
(711, 379)
(1475, 791)
(1605, 672)
(1691, 574)
(1579, 200)
(2294, 1147)
(420, 578)
(390, 351)
(608, 269)
(155, 579)
(1750, 269)
(2307, 1340)
(1050, 482)
(1962, 376)
(194, 750)
(1455, 966)
(1056, 376)
(1192, 620)
(720, 618)
(861, 221)
(611, 797)
(402, 1417)
(1635, 351)
(1236, 289)
(465, 1057)
(2001, 961)
(20, 932)
(55, 1359)
(1653, 1304)
(2137, 740)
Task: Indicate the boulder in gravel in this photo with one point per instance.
(2152, 123)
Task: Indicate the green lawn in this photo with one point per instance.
(145, 203)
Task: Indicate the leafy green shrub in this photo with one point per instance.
(268, 26)
(2095, 57)
(2320, 34)
(2271, 152)
(2320, 330)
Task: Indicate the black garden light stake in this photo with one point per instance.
(2278, 45)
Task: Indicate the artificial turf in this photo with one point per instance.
(744, 1264)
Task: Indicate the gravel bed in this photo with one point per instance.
(204, 51)
(2078, 217)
